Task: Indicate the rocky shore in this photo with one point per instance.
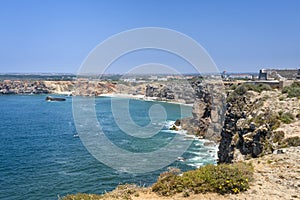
(87, 88)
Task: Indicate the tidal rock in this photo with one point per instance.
(48, 98)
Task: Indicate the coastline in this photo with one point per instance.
(140, 97)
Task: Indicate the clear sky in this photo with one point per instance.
(240, 35)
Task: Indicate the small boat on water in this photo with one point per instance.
(48, 98)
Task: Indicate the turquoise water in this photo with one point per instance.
(40, 158)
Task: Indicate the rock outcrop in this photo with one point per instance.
(207, 97)
(23, 87)
(208, 110)
(49, 98)
(86, 88)
(178, 91)
(253, 124)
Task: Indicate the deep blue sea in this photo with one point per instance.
(40, 158)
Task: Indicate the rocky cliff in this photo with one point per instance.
(208, 110)
(179, 91)
(257, 122)
(207, 97)
(88, 88)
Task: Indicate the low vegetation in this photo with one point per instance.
(124, 192)
(286, 117)
(268, 118)
(222, 179)
(242, 89)
(81, 196)
(291, 141)
(292, 90)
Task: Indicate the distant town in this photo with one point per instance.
(134, 84)
(262, 74)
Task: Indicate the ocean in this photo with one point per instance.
(41, 159)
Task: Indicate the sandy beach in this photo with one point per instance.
(140, 97)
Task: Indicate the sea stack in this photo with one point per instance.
(48, 98)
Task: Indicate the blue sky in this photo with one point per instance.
(57, 35)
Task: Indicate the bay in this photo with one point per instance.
(40, 158)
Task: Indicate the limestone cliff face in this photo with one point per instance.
(87, 88)
(254, 124)
(179, 91)
(208, 110)
(23, 87)
(92, 88)
(207, 98)
(247, 123)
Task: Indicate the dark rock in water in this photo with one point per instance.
(177, 122)
(54, 99)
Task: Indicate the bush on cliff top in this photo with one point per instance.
(292, 90)
(242, 89)
(81, 196)
(286, 117)
(291, 141)
(125, 191)
(222, 179)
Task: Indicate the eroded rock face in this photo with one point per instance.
(208, 105)
(237, 133)
(23, 87)
(176, 91)
(86, 88)
(252, 125)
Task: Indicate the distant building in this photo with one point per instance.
(130, 80)
(279, 74)
(263, 75)
(153, 78)
(240, 76)
(162, 79)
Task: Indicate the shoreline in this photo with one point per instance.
(140, 97)
(112, 95)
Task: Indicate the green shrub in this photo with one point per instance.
(262, 87)
(233, 87)
(269, 118)
(222, 179)
(125, 192)
(286, 117)
(277, 136)
(243, 88)
(292, 141)
(81, 196)
(292, 90)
